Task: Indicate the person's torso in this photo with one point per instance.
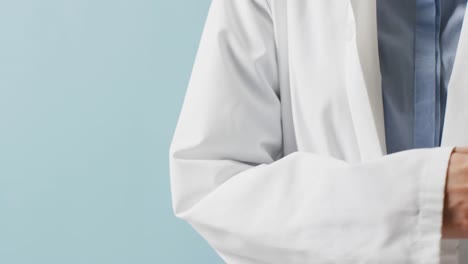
(330, 83)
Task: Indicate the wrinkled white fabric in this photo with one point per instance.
(278, 155)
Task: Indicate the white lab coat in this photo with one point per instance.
(279, 152)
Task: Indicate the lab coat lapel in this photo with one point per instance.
(364, 79)
(455, 131)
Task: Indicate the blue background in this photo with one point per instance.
(90, 92)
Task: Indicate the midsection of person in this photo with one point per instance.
(279, 153)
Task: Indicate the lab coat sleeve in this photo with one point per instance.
(252, 204)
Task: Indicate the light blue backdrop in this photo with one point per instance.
(90, 92)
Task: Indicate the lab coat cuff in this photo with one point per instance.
(431, 202)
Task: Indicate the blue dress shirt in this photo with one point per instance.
(417, 45)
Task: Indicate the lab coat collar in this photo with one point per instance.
(364, 78)
(455, 130)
